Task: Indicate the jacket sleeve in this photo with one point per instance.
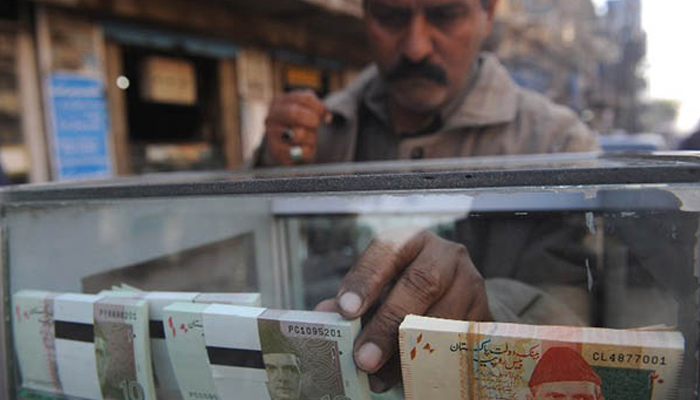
(575, 135)
(546, 127)
(517, 302)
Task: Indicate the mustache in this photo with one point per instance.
(423, 69)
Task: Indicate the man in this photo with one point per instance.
(283, 376)
(562, 374)
(431, 93)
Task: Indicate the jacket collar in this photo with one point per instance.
(492, 99)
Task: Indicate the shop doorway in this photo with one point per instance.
(172, 109)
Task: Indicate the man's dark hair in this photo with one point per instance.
(484, 3)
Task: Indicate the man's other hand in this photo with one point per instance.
(404, 273)
(291, 127)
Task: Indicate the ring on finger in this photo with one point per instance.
(296, 154)
(288, 135)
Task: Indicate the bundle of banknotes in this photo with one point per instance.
(447, 360)
(258, 353)
(126, 344)
(130, 345)
(83, 346)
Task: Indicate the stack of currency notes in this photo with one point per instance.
(83, 346)
(122, 349)
(101, 346)
(443, 359)
(258, 353)
(165, 379)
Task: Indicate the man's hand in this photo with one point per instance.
(292, 126)
(432, 276)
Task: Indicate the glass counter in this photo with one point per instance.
(605, 241)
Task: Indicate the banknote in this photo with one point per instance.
(444, 359)
(184, 334)
(75, 345)
(164, 375)
(33, 330)
(258, 353)
(122, 349)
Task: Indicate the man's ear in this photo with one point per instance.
(490, 17)
(492, 9)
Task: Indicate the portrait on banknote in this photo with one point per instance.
(542, 370)
(301, 364)
(114, 353)
(116, 366)
(562, 373)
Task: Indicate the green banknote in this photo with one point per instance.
(122, 349)
(164, 376)
(457, 360)
(258, 353)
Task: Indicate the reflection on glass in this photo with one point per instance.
(606, 268)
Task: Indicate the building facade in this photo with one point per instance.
(96, 89)
(129, 87)
(587, 59)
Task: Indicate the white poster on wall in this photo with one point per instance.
(255, 89)
(253, 114)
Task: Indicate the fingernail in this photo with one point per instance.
(369, 356)
(350, 303)
(377, 385)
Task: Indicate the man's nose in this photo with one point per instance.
(418, 42)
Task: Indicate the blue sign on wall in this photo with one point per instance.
(80, 127)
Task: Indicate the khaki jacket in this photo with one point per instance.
(497, 117)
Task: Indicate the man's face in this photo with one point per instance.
(425, 48)
(567, 391)
(283, 376)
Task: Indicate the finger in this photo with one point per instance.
(387, 377)
(421, 285)
(300, 135)
(328, 305)
(305, 154)
(386, 256)
(466, 299)
(309, 99)
(282, 152)
(294, 113)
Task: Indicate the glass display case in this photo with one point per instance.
(605, 241)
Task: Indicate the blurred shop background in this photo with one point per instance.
(95, 89)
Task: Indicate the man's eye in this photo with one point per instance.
(444, 17)
(391, 17)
